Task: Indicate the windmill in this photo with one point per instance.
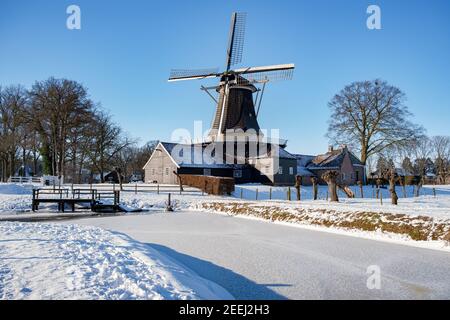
(235, 105)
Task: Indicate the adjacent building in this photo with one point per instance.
(273, 168)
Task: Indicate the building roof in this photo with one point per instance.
(303, 159)
(333, 158)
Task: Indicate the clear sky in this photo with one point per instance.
(125, 50)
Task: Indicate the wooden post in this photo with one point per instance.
(169, 207)
(157, 189)
(33, 202)
(315, 187)
(256, 195)
(135, 188)
(381, 198)
(434, 192)
(289, 194)
(242, 193)
(270, 193)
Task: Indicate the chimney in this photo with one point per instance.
(330, 148)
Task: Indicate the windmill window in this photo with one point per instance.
(291, 170)
(280, 170)
(167, 171)
(237, 173)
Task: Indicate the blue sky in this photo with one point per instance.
(125, 50)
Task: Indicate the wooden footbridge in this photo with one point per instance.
(98, 201)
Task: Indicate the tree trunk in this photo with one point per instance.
(298, 183)
(392, 179)
(179, 180)
(330, 178)
(315, 187)
(361, 189)
(119, 177)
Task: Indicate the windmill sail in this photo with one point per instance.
(265, 74)
(236, 39)
(186, 74)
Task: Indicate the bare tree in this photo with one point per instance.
(441, 148)
(13, 102)
(371, 116)
(107, 142)
(57, 106)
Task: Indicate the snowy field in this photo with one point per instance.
(53, 261)
(425, 218)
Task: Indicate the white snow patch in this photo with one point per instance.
(55, 261)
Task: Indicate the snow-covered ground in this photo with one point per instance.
(54, 261)
(424, 218)
(72, 262)
(255, 259)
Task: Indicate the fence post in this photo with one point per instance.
(114, 186)
(381, 198)
(33, 208)
(256, 196)
(289, 194)
(242, 193)
(434, 192)
(135, 188)
(169, 204)
(270, 193)
(157, 188)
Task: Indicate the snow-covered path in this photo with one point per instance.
(259, 260)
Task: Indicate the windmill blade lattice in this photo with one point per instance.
(189, 74)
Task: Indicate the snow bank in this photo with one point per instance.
(53, 261)
(15, 189)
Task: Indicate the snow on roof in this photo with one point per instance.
(304, 172)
